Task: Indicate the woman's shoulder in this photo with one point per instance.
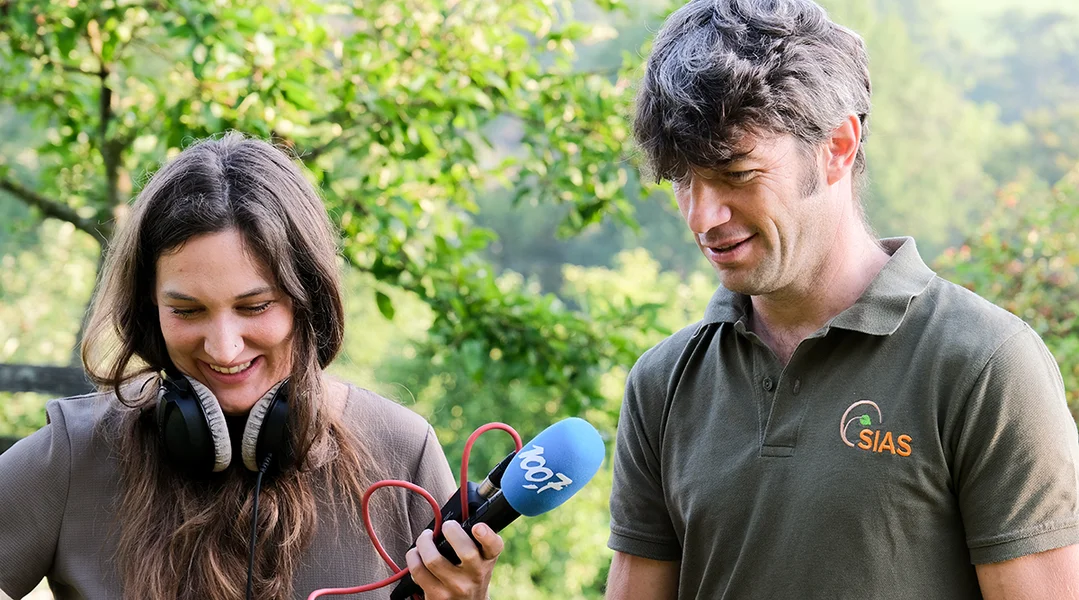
(86, 424)
(78, 412)
(367, 406)
(72, 446)
(375, 418)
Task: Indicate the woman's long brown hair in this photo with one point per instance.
(183, 537)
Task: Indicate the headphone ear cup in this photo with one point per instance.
(192, 427)
(267, 429)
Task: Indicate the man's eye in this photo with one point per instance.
(741, 176)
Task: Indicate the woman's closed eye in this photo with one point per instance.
(252, 309)
(255, 309)
(183, 313)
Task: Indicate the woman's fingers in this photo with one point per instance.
(416, 567)
(466, 550)
(491, 544)
(441, 579)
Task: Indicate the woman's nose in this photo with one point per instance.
(224, 343)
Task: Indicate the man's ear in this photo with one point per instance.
(841, 148)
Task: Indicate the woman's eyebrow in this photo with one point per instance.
(178, 296)
(174, 295)
(266, 289)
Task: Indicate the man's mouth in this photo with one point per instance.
(729, 245)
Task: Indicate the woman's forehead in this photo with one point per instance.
(217, 265)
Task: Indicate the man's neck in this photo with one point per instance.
(784, 318)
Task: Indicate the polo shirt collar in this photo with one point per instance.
(726, 307)
(880, 309)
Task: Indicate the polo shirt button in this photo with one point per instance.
(767, 384)
(797, 385)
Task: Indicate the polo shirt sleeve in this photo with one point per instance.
(640, 522)
(1016, 469)
(33, 493)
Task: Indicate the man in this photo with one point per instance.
(842, 423)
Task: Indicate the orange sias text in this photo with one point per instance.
(878, 441)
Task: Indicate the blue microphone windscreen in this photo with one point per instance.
(553, 466)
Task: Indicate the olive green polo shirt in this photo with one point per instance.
(919, 432)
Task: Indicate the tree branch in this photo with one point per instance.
(110, 148)
(44, 379)
(7, 441)
(56, 210)
(313, 153)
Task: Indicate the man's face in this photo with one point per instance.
(763, 220)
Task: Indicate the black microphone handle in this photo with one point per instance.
(496, 513)
(451, 510)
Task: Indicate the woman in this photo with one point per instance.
(218, 310)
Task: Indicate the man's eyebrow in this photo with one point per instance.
(726, 162)
(738, 157)
(174, 295)
(722, 165)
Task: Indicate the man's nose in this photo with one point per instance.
(707, 208)
(225, 342)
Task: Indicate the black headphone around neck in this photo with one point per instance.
(195, 438)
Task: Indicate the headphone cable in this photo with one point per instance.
(254, 522)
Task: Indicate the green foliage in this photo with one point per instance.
(562, 554)
(44, 287)
(16, 220)
(21, 413)
(400, 110)
(1036, 68)
(1049, 147)
(404, 112)
(1024, 257)
(928, 145)
(1035, 81)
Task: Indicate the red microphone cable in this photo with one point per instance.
(468, 449)
(398, 572)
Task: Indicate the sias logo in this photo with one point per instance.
(536, 471)
(873, 440)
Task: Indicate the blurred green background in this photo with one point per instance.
(504, 261)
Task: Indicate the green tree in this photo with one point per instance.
(404, 112)
(561, 554)
(1035, 81)
(928, 145)
(1025, 258)
(394, 107)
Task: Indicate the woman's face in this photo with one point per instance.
(225, 321)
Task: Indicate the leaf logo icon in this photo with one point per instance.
(864, 420)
